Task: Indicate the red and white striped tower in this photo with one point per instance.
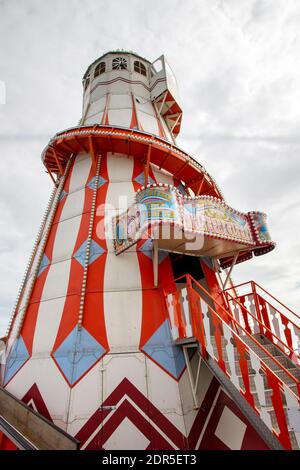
(89, 344)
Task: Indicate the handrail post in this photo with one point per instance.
(190, 302)
(196, 315)
(258, 312)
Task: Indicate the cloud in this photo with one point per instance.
(238, 71)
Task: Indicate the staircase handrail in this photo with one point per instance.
(201, 330)
(268, 293)
(262, 324)
(228, 314)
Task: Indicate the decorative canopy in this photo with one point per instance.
(149, 148)
(199, 226)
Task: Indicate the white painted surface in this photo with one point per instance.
(48, 320)
(123, 316)
(205, 379)
(130, 437)
(118, 366)
(99, 92)
(120, 117)
(144, 106)
(120, 168)
(94, 119)
(66, 237)
(164, 393)
(81, 408)
(148, 123)
(162, 176)
(116, 279)
(56, 285)
(51, 384)
(123, 311)
(97, 106)
(231, 430)
(120, 102)
(119, 87)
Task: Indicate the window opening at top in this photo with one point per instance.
(99, 69)
(156, 67)
(119, 63)
(140, 68)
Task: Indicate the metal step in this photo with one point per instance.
(272, 350)
(280, 373)
(268, 361)
(268, 395)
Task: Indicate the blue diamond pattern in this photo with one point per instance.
(44, 263)
(146, 249)
(141, 179)
(77, 354)
(101, 181)
(95, 251)
(181, 189)
(160, 347)
(16, 359)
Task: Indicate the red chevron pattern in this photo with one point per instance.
(127, 401)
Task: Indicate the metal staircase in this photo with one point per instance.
(253, 353)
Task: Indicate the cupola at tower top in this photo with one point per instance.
(121, 88)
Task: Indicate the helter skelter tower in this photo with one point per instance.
(127, 332)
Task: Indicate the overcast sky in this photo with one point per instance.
(237, 64)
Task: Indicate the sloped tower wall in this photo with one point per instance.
(90, 346)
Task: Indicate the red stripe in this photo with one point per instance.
(126, 410)
(154, 312)
(34, 395)
(31, 315)
(125, 388)
(93, 315)
(71, 307)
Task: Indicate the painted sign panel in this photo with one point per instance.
(204, 215)
(160, 204)
(213, 217)
(260, 227)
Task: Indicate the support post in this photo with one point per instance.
(176, 122)
(230, 269)
(49, 171)
(200, 186)
(146, 168)
(155, 262)
(193, 383)
(163, 102)
(57, 161)
(92, 151)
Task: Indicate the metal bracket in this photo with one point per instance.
(230, 269)
(193, 382)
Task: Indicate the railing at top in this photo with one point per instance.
(233, 348)
(260, 312)
(201, 225)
